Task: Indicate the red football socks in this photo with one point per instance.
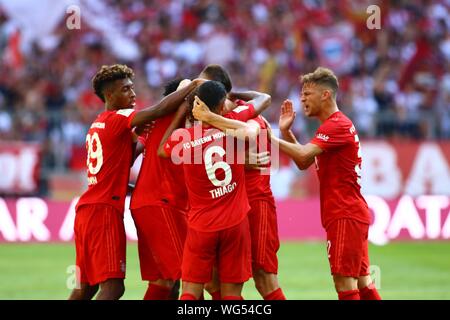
(216, 295)
(157, 292)
(187, 296)
(369, 293)
(349, 295)
(232, 298)
(275, 295)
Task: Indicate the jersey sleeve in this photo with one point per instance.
(177, 137)
(243, 112)
(331, 135)
(260, 122)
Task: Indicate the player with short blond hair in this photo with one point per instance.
(336, 152)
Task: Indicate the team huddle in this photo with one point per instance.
(202, 204)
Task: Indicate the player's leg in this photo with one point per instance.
(84, 292)
(160, 260)
(367, 289)
(213, 286)
(106, 252)
(111, 289)
(159, 289)
(265, 244)
(267, 285)
(345, 250)
(199, 256)
(345, 283)
(147, 264)
(175, 292)
(170, 223)
(234, 260)
(231, 291)
(191, 290)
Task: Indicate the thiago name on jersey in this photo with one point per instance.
(221, 191)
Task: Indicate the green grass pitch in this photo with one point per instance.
(408, 270)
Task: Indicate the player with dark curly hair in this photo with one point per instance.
(99, 229)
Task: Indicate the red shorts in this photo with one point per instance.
(161, 234)
(264, 233)
(347, 248)
(100, 243)
(228, 249)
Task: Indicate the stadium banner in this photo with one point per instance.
(19, 168)
(391, 169)
(425, 217)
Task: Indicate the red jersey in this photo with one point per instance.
(339, 171)
(257, 183)
(213, 165)
(160, 181)
(109, 146)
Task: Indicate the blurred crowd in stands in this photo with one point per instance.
(394, 81)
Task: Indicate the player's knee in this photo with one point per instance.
(91, 291)
(163, 283)
(86, 292)
(119, 290)
(112, 289)
(342, 283)
(364, 281)
(213, 285)
(265, 282)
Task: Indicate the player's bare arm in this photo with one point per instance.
(236, 128)
(176, 123)
(303, 155)
(287, 117)
(260, 101)
(167, 105)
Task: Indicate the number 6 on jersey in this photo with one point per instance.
(212, 168)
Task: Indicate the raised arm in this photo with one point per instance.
(303, 155)
(236, 128)
(167, 105)
(176, 123)
(287, 117)
(261, 101)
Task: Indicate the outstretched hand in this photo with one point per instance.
(183, 83)
(287, 115)
(255, 161)
(200, 111)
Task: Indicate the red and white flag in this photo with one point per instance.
(333, 46)
(12, 55)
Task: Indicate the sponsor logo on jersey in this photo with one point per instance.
(125, 112)
(100, 125)
(322, 136)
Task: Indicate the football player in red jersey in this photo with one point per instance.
(218, 230)
(158, 207)
(336, 152)
(99, 230)
(262, 216)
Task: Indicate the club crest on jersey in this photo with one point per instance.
(322, 136)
